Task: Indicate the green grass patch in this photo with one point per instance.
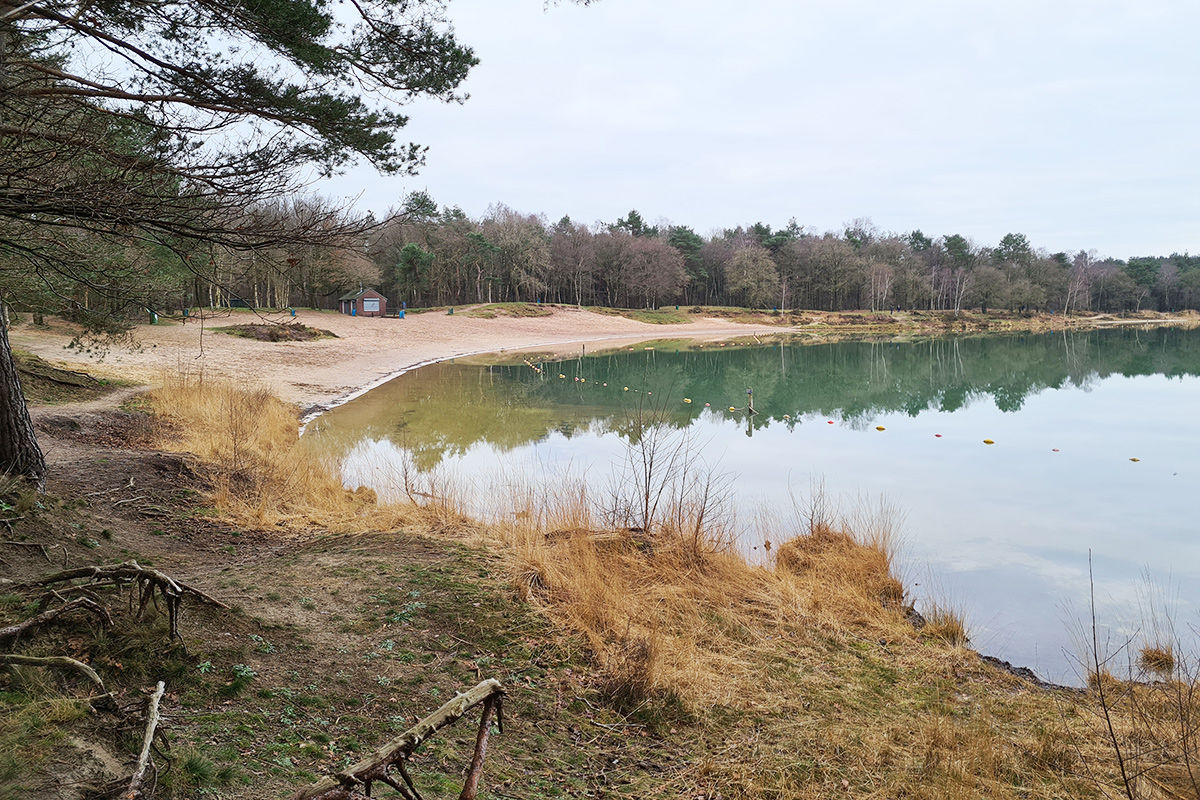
(493, 310)
(667, 315)
(282, 332)
(43, 383)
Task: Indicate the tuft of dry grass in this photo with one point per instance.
(945, 624)
(1158, 659)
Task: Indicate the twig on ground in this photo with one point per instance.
(146, 579)
(38, 545)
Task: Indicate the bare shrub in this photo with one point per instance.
(1145, 706)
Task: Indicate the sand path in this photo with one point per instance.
(367, 352)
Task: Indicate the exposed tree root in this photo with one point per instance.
(150, 584)
(13, 631)
(62, 662)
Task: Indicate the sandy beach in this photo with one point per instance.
(367, 351)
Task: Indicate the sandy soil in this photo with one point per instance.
(367, 352)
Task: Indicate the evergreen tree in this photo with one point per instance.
(167, 124)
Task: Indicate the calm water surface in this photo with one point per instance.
(1002, 530)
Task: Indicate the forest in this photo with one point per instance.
(426, 256)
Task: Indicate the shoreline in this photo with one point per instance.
(330, 371)
(325, 373)
(311, 413)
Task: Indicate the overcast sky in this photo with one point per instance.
(1075, 123)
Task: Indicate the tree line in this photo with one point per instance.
(423, 256)
(426, 256)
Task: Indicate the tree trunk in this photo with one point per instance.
(19, 451)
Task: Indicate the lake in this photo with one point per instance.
(1094, 448)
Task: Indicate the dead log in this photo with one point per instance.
(15, 630)
(139, 773)
(602, 539)
(53, 661)
(345, 785)
(148, 581)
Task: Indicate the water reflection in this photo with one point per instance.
(1006, 527)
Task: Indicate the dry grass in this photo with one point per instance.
(494, 310)
(673, 608)
(945, 625)
(262, 474)
(1158, 660)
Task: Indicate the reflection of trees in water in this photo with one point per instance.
(442, 411)
(862, 380)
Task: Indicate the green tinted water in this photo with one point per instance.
(1003, 529)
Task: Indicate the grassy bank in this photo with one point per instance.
(640, 663)
(895, 323)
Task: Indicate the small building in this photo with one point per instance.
(363, 303)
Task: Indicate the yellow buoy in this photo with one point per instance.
(687, 399)
(988, 441)
(1135, 459)
(561, 375)
(880, 428)
(626, 389)
(731, 408)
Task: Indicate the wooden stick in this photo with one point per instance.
(53, 661)
(42, 547)
(481, 741)
(139, 773)
(374, 767)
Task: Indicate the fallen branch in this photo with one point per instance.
(139, 772)
(344, 786)
(64, 662)
(15, 630)
(481, 742)
(153, 511)
(147, 580)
